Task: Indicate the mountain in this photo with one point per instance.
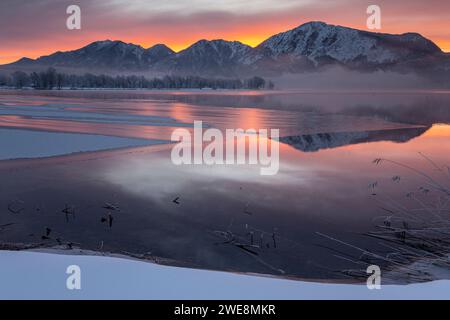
(208, 58)
(157, 53)
(105, 55)
(309, 47)
(321, 44)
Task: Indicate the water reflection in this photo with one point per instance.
(319, 141)
(325, 191)
(156, 119)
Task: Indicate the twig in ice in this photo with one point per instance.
(176, 200)
(16, 206)
(110, 206)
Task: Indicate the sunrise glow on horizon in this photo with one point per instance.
(178, 25)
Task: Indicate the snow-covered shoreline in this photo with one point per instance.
(42, 275)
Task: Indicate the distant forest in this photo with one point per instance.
(51, 79)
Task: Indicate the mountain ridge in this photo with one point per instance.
(308, 47)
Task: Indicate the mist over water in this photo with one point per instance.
(336, 78)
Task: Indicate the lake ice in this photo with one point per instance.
(18, 144)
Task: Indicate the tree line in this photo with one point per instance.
(51, 79)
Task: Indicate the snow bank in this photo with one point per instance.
(36, 275)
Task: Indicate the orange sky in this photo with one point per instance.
(32, 30)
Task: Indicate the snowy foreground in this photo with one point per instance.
(37, 275)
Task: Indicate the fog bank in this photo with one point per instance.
(339, 78)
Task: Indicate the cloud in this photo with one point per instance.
(182, 7)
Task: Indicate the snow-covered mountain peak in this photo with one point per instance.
(219, 46)
(321, 42)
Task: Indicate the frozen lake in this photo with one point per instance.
(327, 183)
